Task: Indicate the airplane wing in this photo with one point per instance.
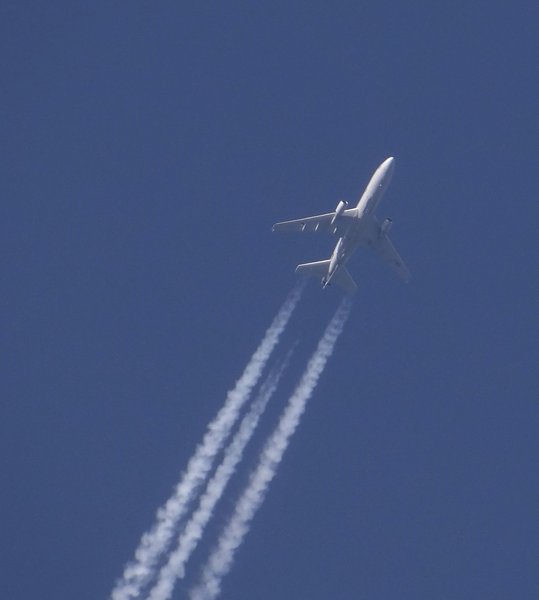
(387, 253)
(318, 223)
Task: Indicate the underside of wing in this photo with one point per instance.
(387, 253)
(327, 223)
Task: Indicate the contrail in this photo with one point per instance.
(221, 559)
(188, 540)
(155, 542)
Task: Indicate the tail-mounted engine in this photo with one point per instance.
(386, 226)
(339, 210)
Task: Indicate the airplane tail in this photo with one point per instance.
(320, 269)
(314, 269)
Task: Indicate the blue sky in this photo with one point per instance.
(148, 148)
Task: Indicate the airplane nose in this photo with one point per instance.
(388, 166)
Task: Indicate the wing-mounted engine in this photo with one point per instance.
(339, 210)
(385, 226)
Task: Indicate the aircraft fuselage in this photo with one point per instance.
(366, 206)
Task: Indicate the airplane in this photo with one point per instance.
(355, 227)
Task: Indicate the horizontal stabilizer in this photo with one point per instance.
(343, 278)
(319, 268)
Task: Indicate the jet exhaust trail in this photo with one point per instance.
(156, 541)
(191, 535)
(222, 557)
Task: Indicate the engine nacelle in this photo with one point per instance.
(386, 226)
(339, 210)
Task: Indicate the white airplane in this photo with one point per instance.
(355, 227)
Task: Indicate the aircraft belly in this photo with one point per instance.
(367, 233)
(348, 248)
(357, 234)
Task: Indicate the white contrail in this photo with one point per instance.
(191, 535)
(220, 561)
(155, 542)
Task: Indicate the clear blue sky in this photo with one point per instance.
(147, 150)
